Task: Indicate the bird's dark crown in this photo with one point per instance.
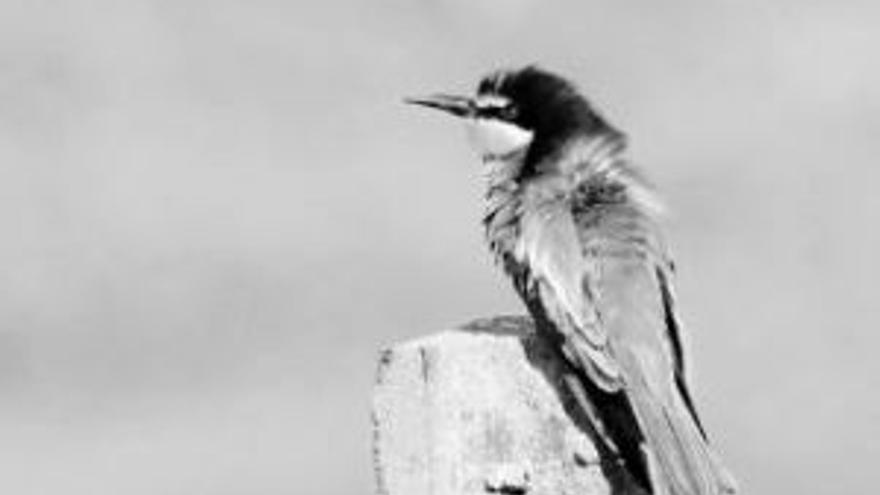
(546, 104)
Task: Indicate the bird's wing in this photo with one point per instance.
(565, 250)
(599, 274)
(559, 278)
(665, 273)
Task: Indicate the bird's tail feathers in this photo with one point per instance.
(682, 462)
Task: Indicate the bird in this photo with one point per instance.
(575, 224)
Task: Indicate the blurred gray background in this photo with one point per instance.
(215, 213)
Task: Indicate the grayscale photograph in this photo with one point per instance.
(440, 247)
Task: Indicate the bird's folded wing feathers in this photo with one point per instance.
(551, 247)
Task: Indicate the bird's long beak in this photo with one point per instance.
(460, 106)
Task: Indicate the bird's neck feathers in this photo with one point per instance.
(598, 162)
(587, 161)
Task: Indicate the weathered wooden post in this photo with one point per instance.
(483, 409)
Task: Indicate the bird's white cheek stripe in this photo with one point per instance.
(496, 137)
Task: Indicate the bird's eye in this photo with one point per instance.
(508, 112)
(500, 110)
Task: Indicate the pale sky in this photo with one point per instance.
(215, 214)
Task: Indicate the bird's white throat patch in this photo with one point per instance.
(493, 138)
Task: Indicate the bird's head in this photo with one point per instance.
(526, 110)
